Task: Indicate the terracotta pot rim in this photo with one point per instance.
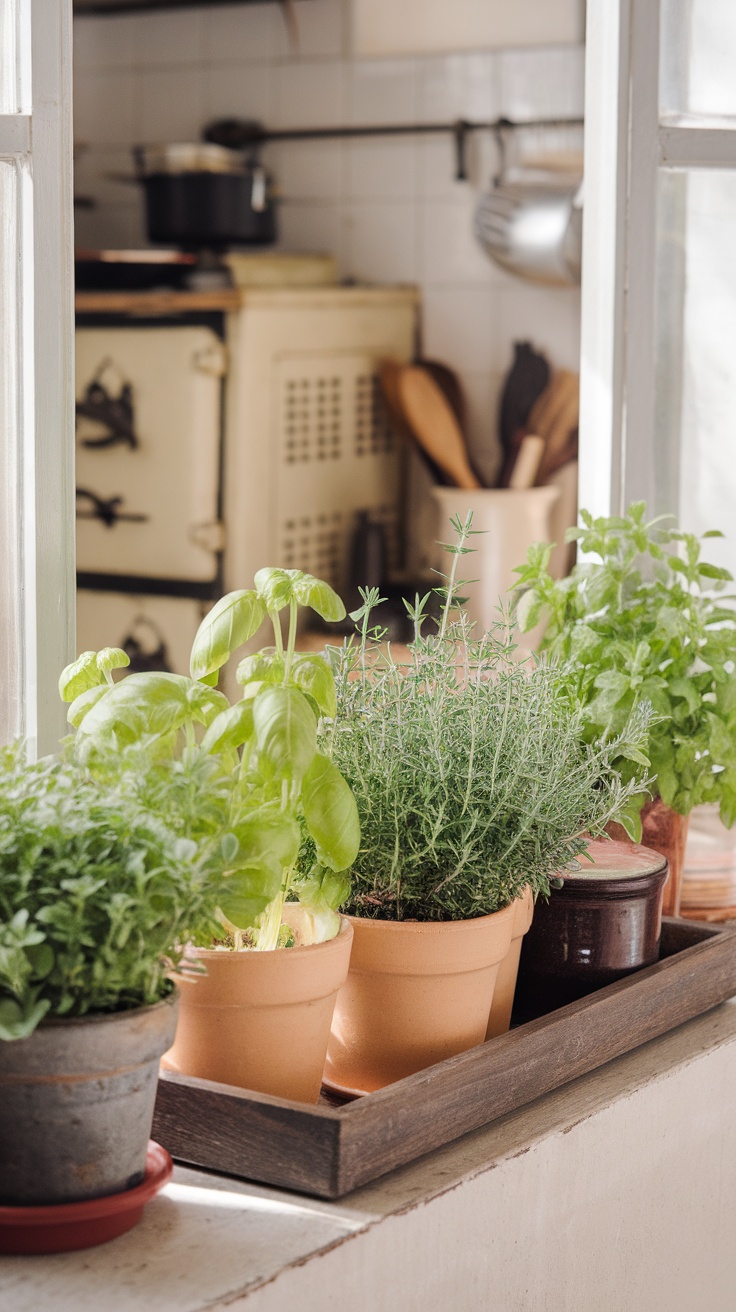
(429, 926)
(107, 1017)
(293, 954)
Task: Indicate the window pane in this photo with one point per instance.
(696, 365)
(697, 57)
(9, 75)
(9, 480)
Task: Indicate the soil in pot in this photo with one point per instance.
(603, 923)
(417, 992)
(76, 1105)
(260, 1020)
(503, 994)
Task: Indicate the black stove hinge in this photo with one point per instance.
(108, 511)
(115, 412)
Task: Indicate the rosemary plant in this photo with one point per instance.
(470, 769)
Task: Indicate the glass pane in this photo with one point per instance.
(698, 49)
(9, 473)
(696, 363)
(9, 76)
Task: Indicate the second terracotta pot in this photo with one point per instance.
(260, 1020)
(503, 994)
(417, 992)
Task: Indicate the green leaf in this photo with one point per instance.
(84, 703)
(150, 703)
(268, 835)
(686, 689)
(230, 623)
(230, 729)
(528, 610)
(248, 893)
(18, 1022)
(285, 729)
(331, 814)
(315, 678)
(275, 586)
(320, 597)
(83, 674)
(112, 658)
(714, 572)
(266, 666)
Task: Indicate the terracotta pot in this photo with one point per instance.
(260, 1020)
(665, 831)
(603, 923)
(503, 994)
(417, 992)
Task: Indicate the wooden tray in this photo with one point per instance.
(328, 1150)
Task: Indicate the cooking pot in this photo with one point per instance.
(534, 228)
(199, 195)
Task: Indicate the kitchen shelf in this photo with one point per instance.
(329, 1150)
(126, 6)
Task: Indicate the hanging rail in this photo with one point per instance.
(240, 134)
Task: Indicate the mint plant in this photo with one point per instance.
(271, 747)
(643, 617)
(471, 772)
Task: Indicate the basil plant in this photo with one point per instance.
(292, 827)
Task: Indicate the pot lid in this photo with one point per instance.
(610, 859)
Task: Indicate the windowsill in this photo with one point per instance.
(576, 1175)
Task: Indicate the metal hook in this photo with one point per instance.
(499, 128)
(460, 129)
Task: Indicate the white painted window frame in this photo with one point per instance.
(627, 142)
(37, 563)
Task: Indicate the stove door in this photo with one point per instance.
(148, 451)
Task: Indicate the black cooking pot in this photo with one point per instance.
(206, 207)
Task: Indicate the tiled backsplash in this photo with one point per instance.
(390, 210)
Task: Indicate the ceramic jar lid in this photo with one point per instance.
(613, 860)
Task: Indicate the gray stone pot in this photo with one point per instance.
(76, 1104)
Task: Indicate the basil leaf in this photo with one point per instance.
(315, 678)
(320, 597)
(84, 703)
(331, 814)
(286, 731)
(83, 674)
(230, 623)
(248, 892)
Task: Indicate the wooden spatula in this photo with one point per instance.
(434, 425)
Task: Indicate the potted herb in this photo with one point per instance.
(260, 1016)
(97, 896)
(473, 784)
(641, 616)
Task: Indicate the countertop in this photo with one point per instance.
(615, 1194)
(157, 303)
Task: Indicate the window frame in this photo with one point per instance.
(627, 142)
(37, 589)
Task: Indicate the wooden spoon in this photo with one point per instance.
(434, 425)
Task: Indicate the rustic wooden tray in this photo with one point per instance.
(328, 1150)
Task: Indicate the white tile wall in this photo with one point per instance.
(390, 209)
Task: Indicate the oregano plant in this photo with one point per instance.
(643, 617)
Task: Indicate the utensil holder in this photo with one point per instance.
(508, 521)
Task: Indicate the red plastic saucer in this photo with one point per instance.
(67, 1226)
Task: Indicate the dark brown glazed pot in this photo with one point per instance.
(603, 923)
